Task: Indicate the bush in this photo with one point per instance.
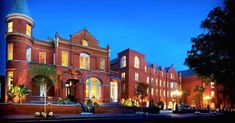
(128, 103)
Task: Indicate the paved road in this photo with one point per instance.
(164, 116)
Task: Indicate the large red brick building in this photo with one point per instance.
(84, 70)
(82, 66)
(133, 68)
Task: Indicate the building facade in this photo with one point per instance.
(82, 66)
(133, 68)
(213, 95)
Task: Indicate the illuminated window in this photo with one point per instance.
(102, 64)
(164, 84)
(137, 62)
(145, 68)
(123, 75)
(136, 76)
(114, 91)
(28, 54)
(147, 91)
(212, 85)
(10, 26)
(162, 73)
(84, 43)
(156, 82)
(172, 84)
(156, 92)
(123, 62)
(164, 93)
(212, 93)
(28, 30)
(84, 61)
(10, 52)
(93, 88)
(68, 88)
(42, 57)
(147, 80)
(65, 58)
(160, 83)
(172, 76)
(10, 79)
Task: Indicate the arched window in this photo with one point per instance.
(123, 62)
(137, 62)
(84, 61)
(93, 88)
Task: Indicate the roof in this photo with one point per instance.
(186, 73)
(20, 7)
(114, 61)
(167, 68)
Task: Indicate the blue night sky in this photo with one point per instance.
(160, 29)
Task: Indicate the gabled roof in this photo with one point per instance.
(186, 73)
(20, 7)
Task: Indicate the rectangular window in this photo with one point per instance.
(10, 79)
(147, 91)
(10, 52)
(147, 80)
(156, 92)
(160, 83)
(136, 76)
(164, 93)
(172, 84)
(28, 30)
(42, 57)
(156, 82)
(172, 76)
(28, 54)
(164, 84)
(160, 92)
(212, 85)
(102, 64)
(162, 73)
(145, 68)
(10, 26)
(65, 58)
(212, 93)
(151, 91)
(123, 75)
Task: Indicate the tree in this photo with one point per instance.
(212, 52)
(185, 94)
(198, 95)
(44, 75)
(141, 90)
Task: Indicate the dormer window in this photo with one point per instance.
(84, 43)
(10, 26)
(28, 30)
